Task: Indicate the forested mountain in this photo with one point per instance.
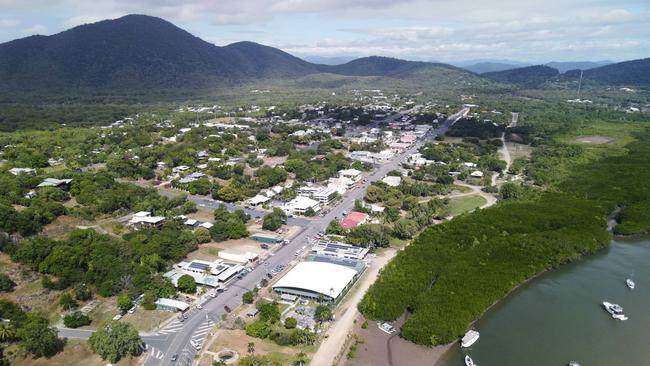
(138, 52)
(636, 72)
(483, 67)
(577, 65)
(530, 76)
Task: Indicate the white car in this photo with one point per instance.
(199, 306)
(132, 310)
(213, 294)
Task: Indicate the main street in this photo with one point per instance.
(178, 341)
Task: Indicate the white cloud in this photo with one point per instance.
(7, 23)
(35, 29)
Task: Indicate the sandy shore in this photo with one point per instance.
(378, 348)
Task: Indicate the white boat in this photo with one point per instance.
(469, 361)
(630, 284)
(386, 327)
(615, 310)
(573, 363)
(470, 338)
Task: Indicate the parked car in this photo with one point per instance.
(174, 357)
(117, 317)
(199, 306)
(212, 294)
(132, 310)
(226, 308)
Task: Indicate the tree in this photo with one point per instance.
(258, 329)
(124, 302)
(251, 347)
(310, 212)
(248, 297)
(335, 227)
(82, 292)
(290, 323)
(67, 302)
(114, 340)
(274, 220)
(7, 332)
(38, 338)
(187, 284)
(323, 313)
(6, 284)
(269, 313)
(76, 320)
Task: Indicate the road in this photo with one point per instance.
(176, 341)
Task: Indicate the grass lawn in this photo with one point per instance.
(147, 320)
(75, 353)
(461, 205)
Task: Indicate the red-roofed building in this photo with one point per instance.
(354, 219)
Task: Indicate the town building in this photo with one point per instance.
(339, 250)
(53, 182)
(301, 205)
(143, 219)
(321, 279)
(354, 219)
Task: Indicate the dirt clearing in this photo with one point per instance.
(595, 140)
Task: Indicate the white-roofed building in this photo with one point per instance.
(300, 205)
(258, 200)
(143, 219)
(317, 280)
(53, 182)
(171, 305)
(325, 195)
(353, 174)
(392, 181)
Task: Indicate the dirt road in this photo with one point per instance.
(338, 333)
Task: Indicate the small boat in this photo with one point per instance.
(615, 310)
(573, 363)
(469, 361)
(470, 338)
(630, 284)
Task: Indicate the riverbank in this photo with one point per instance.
(558, 316)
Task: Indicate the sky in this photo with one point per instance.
(532, 31)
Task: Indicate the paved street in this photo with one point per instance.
(178, 342)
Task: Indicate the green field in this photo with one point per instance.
(460, 205)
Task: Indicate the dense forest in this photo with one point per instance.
(453, 272)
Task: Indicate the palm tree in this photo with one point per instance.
(7, 332)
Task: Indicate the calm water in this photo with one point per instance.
(558, 317)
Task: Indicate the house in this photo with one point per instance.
(202, 155)
(20, 171)
(383, 155)
(469, 165)
(143, 219)
(258, 200)
(180, 169)
(476, 174)
(308, 190)
(354, 219)
(353, 174)
(408, 139)
(344, 182)
(398, 147)
(301, 205)
(206, 225)
(191, 223)
(53, 182)
(392, 181)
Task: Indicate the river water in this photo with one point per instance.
(558, 317)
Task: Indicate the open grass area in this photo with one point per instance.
(147, 320)
(75, 353)
(460, 205)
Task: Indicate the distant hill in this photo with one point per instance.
(324, 60)
(136, 51)
(636, 72)
(483, 67)
(140, 53)
(530, 76)
(577, 65)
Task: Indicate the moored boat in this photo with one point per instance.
(630, 284)
(470, 338)
(469, 361)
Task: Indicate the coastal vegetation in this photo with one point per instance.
(453, 272)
